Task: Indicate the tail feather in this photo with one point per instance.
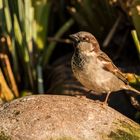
(129, 88)
(135, 90)
(133, 96)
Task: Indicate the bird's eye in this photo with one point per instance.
(85, 39)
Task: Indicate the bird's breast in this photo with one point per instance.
(78, 61)
(89, 71)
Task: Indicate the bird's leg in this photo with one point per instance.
(106, 99)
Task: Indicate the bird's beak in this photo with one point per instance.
(74, 37)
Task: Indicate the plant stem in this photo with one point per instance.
(136, 41)
(50, 48)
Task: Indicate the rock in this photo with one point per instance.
(56, 117)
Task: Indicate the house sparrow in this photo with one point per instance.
(94, 69)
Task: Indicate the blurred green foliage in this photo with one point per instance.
(96, 16)
(132, 9)
(24, 25)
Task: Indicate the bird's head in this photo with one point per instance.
(85, 42)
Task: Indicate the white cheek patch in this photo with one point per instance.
(91, 48)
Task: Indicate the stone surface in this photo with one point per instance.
(53, 117)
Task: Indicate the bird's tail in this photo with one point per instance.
(134, 90)
(133, 97)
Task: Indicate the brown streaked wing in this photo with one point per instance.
(109, 66)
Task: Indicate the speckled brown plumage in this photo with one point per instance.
(94, 69)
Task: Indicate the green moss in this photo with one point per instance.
(3, 136)
(125, 131)
(122, 135)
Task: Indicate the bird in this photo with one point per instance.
(94, 69)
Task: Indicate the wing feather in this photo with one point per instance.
(109, 66)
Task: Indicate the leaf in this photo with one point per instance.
(7, 17)
(17, 31)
